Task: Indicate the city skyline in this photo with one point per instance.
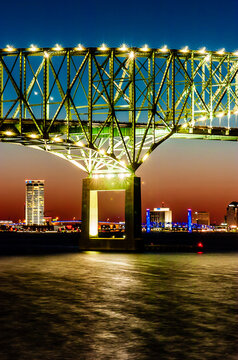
(168, 164)
(182, 174)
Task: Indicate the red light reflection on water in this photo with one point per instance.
(199, 252)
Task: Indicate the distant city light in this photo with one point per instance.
(35, 93)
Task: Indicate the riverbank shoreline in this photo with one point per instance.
(37, 242)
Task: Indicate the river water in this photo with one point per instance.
(119, 306)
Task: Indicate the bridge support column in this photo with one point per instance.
(89, 236)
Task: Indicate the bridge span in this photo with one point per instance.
(106, 109)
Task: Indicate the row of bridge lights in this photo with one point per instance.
(58, 139)
(123, 48)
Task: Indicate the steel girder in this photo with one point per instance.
(106, 110)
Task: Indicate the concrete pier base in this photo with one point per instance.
(89, 237)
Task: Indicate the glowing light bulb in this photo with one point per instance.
(145, 48)
(10, 48)
(123, 47)
(221, 114)
(102, 151)
(145, 157)
(46, 54)
(221, 52)
(235, 53)
(33, 136)
(57, 139)
(33, 48)
(103, 47)
(185, 49)
(132, 55)
(57, 47)
(80, 47)
(202, 50)
(9, 133)
(164, 49)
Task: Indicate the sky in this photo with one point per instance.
(201, 175)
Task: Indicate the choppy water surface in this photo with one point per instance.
(119, 306)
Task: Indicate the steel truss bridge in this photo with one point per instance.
(106, 109)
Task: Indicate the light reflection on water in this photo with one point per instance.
(119, 306)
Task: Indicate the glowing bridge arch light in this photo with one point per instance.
(33, 48)
(80, 47)
(9, 133)
(103, 47)
(145, 48)
(10, 48)
(33, 136)
(132, 55)
(221, 52)
(164, 49)
(185, 49)
(202, 50)
(57, 47)
(123, 47)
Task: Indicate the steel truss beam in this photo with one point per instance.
(106, 110)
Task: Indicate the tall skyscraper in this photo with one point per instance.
(232, 214)
(34, 210)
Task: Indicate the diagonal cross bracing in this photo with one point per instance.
(112, 108)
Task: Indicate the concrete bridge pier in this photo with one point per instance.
(89, 236)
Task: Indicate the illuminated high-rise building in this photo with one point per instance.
(34, 209)
(201, 218)
(232, 215)
(158, 217)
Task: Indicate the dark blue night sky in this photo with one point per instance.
(176, 23)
